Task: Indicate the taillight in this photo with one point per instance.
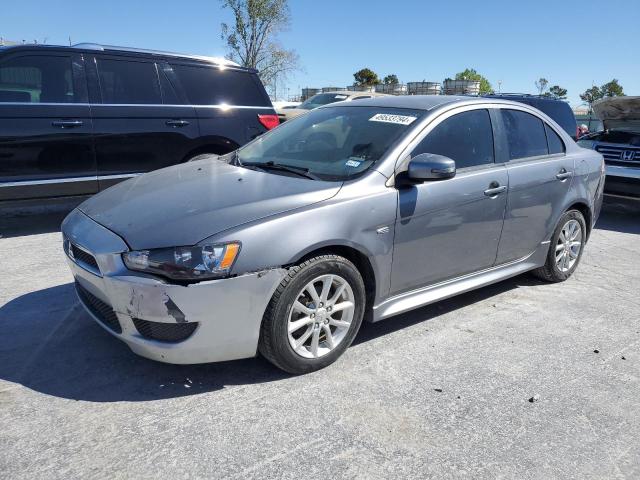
(269, 121)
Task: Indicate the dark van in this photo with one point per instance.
(76, 120)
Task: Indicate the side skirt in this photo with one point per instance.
(424, 296)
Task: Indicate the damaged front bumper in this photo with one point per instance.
(204, 322)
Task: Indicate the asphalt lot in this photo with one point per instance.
(440, 392)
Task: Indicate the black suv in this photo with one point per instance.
(75, 120)
(558, 110)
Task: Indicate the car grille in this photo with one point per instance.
(100, 310)
(630, 155)
(165, 332)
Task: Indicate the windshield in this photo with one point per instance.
(322, 99)
(332, 143)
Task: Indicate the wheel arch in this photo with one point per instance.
(356, 256)
(215, 146)
(586, 212)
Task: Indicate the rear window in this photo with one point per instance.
(556, 145)
(525, 134)
(126, 82)
(214, 86)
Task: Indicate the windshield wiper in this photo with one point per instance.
(271, 165)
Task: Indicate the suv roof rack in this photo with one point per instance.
(102, 48)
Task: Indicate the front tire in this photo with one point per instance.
(314, 315)
(565, 248)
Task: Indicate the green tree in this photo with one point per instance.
(541, 85)
(557, 92)
(252, 38)
(366, 76)
(609, 89)
(471, 74)
(612, 89)
(391, 79)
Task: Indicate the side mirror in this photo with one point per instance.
(429, 166)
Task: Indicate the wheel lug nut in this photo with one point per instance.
(313, 315)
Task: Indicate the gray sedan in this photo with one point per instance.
(359, 210)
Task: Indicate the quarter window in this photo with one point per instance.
(556, 145)
(37, 79)
(124, 82)
(525, 134)
(214, 86)
(466, 138)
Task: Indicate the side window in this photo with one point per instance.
(127, 82)
(466, 138)
(37, 79)
(214, 86)
(525, 134)
(556, 145)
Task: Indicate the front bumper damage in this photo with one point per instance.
(228, 312)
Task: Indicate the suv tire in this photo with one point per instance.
(302, 332)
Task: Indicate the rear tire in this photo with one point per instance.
(303, 331)
(565, 249)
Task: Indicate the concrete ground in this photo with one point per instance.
(441, 392)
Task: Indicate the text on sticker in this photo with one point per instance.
(389, 118)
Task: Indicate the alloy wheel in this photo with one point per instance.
(569, 245)
(321, 316)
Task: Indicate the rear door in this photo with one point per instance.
(229, 103)
(45, 127)
(540, 175)
(135, 131)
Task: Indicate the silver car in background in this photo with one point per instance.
(359, 210)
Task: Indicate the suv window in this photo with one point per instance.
(525, 134)
(127, 82)
(466, 138)
(555, 143)
(37, 79)
(205, 85)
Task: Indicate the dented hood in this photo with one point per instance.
(184, 204)
(619, 113)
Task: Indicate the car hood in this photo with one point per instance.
(184, 204)
(619, 113)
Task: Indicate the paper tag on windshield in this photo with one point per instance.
(352, 163)
(389, 118)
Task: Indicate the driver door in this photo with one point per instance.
(448, 228)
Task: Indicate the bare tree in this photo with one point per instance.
(252, 38)
(541, 85)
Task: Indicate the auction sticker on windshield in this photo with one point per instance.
(389, 118)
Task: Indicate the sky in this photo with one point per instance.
(574, 44)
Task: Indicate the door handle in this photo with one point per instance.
(495, 190)
(66, 123)
(176, 123)
(563, 174)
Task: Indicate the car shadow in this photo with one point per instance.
(34, 217)
(50, 345)
(619, 215)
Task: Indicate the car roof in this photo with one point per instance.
(351, 93)
(94, 47)
(416, 102)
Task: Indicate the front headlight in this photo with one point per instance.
(200, 262)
